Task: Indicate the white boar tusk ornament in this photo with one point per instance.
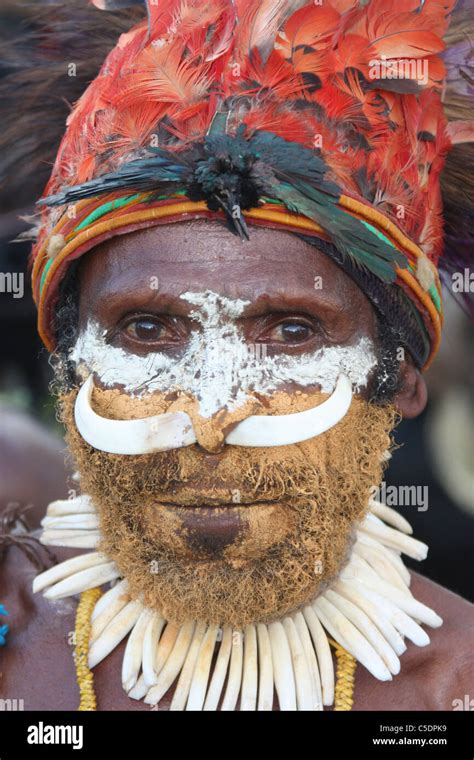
(285, 429)
(142, 436)
(163, 432)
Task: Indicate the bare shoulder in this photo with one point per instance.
(457, 613)
(439, 676)
(37, 665)
(16, 579)
(452, 645)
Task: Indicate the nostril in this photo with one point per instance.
(210, 437)
(210, 448)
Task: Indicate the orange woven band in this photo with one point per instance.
(89, 225)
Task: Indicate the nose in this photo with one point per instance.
(211, 431)
(210, 435)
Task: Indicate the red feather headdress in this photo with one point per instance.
(324, 119)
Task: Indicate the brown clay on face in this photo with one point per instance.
(236, 534)
(324, 484)
(275, 272)
(210, 431)
(248, 531)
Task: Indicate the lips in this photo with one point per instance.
(217, 504)
(215, 529)
(211, 528)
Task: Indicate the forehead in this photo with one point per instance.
(205, 255)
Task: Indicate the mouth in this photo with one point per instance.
(211, 523)
(217, 519)
(211, 527)
(218, 504)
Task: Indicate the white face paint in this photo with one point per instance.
(218, 367)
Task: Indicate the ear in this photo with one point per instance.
(412, 395)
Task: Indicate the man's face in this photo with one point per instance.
(229, 533)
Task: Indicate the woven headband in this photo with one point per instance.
(90, 222)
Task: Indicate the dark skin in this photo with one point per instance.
(275, 271)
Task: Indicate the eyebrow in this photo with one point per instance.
(296, 302)
(142, 297)
(120, 295)
(118, 301)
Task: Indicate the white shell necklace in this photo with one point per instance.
(369, 611)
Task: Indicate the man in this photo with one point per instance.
(229, 398)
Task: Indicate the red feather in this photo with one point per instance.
(163, 74)
(312, 26)
(298, 69)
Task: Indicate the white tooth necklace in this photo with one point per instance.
(368, 611)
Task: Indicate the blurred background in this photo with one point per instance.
(436, 450)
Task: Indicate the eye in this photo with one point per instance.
(291, 331)
(148, 329)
